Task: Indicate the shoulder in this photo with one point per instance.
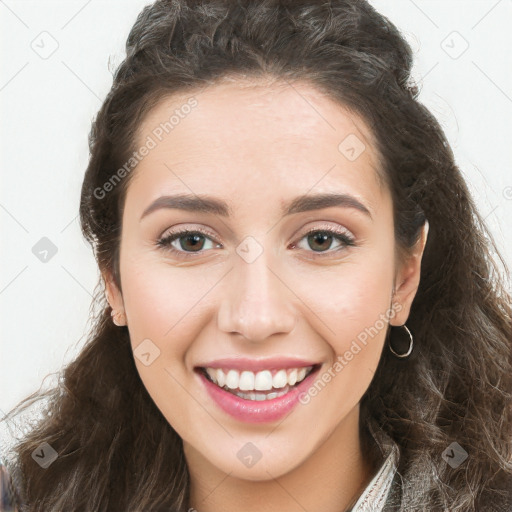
(394, 498)
(501, 498)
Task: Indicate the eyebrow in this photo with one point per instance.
(212, 205)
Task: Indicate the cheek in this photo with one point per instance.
(350, 300)
(162, 303)
(164, 322)
(363, 298)
(353, 308)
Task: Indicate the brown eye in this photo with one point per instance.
(320, 240)
(191, 242)
(185, 242)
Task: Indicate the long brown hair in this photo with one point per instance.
(115, 449)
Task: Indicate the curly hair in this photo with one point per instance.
(456, 386)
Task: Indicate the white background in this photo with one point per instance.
(48, 104)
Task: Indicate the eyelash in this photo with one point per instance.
(165, 242)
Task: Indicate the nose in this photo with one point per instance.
(259, 302)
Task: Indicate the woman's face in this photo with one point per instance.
(260, 287)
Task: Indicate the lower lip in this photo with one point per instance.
(257, 411)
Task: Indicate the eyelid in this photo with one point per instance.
(327, 227)
(182, 230)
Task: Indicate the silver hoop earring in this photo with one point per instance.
(411, 344)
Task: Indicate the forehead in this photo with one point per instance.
(264, 137)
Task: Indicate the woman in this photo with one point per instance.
(236, 362)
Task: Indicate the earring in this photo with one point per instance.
(411, 343)
(115, 317)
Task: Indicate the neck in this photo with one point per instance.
(331, 479)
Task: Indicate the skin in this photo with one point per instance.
(257, 145)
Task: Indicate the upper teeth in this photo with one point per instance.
(260, 381)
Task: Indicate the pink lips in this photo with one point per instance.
(256, 365)
(253, 411)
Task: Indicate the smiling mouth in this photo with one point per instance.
(260, 386)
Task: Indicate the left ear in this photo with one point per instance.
(112, 292)
(407, 278)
